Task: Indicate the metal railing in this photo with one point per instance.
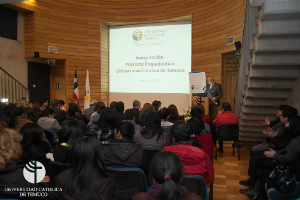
(251, 15)
(11, 89)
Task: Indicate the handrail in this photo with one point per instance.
(13, 78)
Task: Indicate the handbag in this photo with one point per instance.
(282, 179)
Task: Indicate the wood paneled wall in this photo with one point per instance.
(74, 26)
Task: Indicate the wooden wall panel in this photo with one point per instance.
(74, 26)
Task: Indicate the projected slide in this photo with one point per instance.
(150, 59)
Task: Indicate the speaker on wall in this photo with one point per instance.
(36, 54)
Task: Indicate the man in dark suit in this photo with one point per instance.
(214, 92)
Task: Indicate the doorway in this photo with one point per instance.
(230, 66)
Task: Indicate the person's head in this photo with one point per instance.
(211, 80)
(99, 107)
(201, 107)
(54, 103)
(120, 106)
(10, 146)
(62, 102)
(36, 106)
(152, 120)
(166, 169)
(43, 102)
(196, 113)
(108, 119)
(93, 102)
(125, 131)
(156, 104)
(24, 101)
(73, 110)
(73, 102)
(180, 131)
(112, 105)
(129, 114)
(70, 132)
(146, 108)
(280, 108)
(173, 112)
(164, 113)
(196, 126)
(136, 104)
(28, 113)
(32, 135)
(48, 112)
(226, 106)
(288, 113)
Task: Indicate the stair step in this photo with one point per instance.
(278, 44)
(280, 10)
(283, 71)
(256, 3)
(263, 102)
(253, 123)
(267, 93)
(278, 35)
(252, 135)
(282, 57)
(251, 129)
(251, 116)
(260, 83)
(259, 109)
(279, 26)
(294, 50)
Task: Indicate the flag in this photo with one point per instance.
(75, 91)
(87, 97)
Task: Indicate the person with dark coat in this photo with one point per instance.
(120, 112)
(136, 108)
(166, 172)
(73, 112)
(123, 152)
(214, 93)
(87, 178)
(60, 115)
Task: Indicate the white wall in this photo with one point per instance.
(12, 54)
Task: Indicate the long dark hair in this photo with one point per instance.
(166, 169)
(70, 132)
(107, 120)
(173, 112)
(152, 126)
(87, 168)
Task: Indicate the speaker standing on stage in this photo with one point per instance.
(214, 92)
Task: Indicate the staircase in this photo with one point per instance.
(11, 89)
(269, 65)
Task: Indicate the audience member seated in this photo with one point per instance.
(32, 144)
(225, 116)
(73, 112)
(44, 103)
(23, 116)
(11, 166)
(69, 133)
(144, 111)
(87, 178)
(165, 124)
(89, 111)
(130, 117)
(194, 160)
(203, 139)
(123, 152)
(60, 111)
(206, 118)
(105, 130)
(36, 111)
(196, 113)
(152, 135)
(113, 105)
(174, 115)
(48, 122)
(166, 172)
(120, 112)
(156, 104)
(99, 107)
(136, 108)
(8, 114)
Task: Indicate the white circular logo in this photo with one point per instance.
(34, 172)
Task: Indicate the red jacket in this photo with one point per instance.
(226, 117)
(206, 144)
(206, 118)
(194, 160)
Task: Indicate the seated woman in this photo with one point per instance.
(123, 152)
(152, 135)
(194, 160)
(87, 178)
(203, 138)
(33, 146)
(105, 129)
(144, 111)
(206, 118)
(196, 113)
(166, 172)
(48, 122)
(23, 116)
(70, 132)
(174, 115)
